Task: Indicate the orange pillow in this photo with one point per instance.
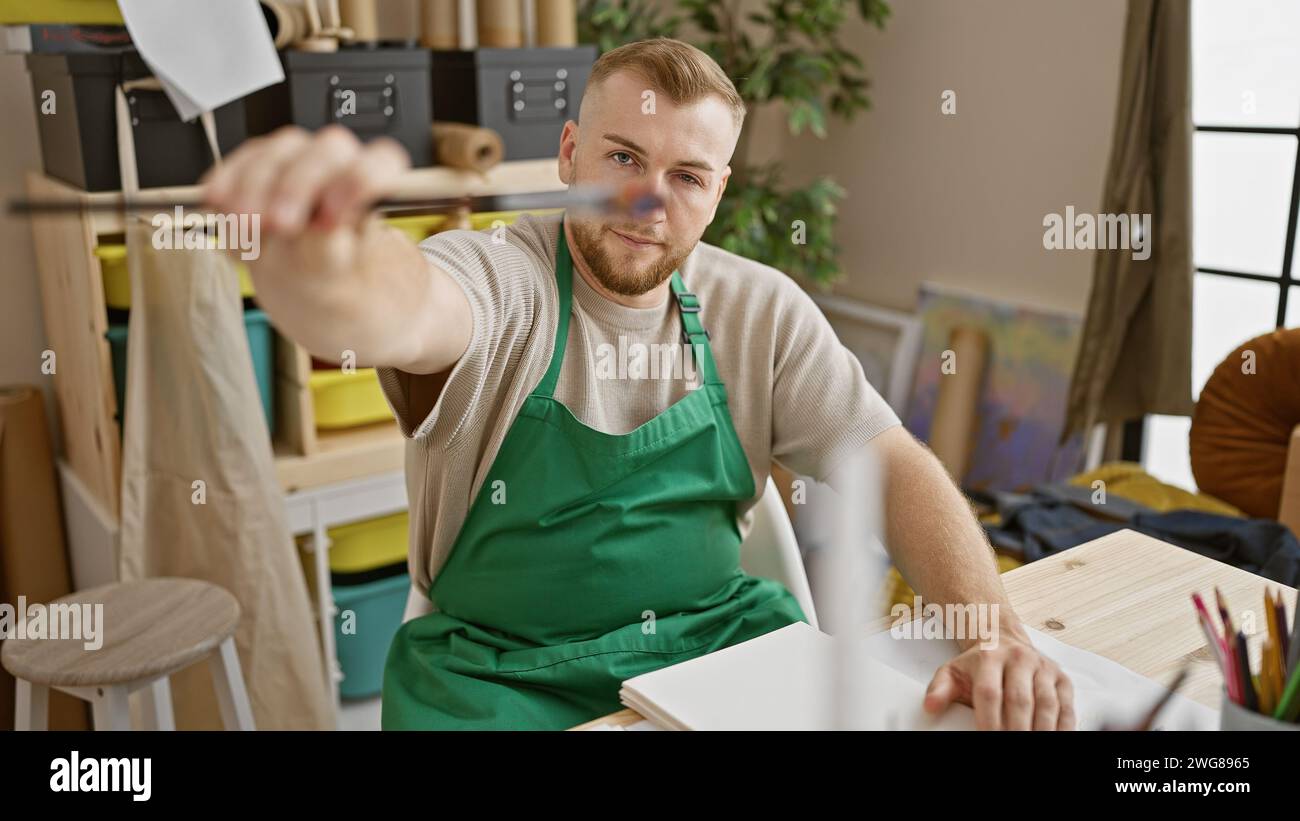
(1242, 424)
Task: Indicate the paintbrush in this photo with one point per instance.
(1160, 705)
(1150, 717)
(627, 200)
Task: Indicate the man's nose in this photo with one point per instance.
(657, 184)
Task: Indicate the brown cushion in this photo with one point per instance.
(1242, 424)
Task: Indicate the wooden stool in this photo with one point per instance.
(150, 629)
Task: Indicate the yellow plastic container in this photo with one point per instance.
(83, 12)
(418, 227)
(360, 547)
(117, 277)
(421, 226)
(345, 400)
(485, 220)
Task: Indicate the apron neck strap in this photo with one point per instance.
(563, 282)
(126, 157)
(688, 305)
(693, 331)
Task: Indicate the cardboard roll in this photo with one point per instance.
(287, 22)
(471, 147)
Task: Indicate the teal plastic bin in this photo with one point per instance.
(371, 613)
(261, 344)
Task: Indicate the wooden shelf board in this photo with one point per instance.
(342, 455)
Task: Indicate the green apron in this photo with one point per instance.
(608, 557)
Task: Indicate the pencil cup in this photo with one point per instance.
(1233, 716)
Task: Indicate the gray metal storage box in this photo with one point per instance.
(390, 96)
(524, 94)
(79, 137)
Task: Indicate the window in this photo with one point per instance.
(1245, 184)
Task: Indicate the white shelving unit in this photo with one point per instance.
(329, 478)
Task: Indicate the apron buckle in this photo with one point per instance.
(693, 308)
(686, 335)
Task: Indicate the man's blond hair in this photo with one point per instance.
(678, 70)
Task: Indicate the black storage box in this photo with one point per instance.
(391, 88)
(79, 139)
(524, 94)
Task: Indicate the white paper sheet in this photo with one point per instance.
(205, 53)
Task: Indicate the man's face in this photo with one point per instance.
(678, 152)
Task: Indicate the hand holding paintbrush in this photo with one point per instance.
(332, 276)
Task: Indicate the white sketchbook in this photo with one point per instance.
(784, 681)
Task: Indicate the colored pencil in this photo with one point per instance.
(1266, 677)
(1283, 637)
(1236, 689)
(1293, 640)
(1251, 698)
(1164, 699)
(1279, 646)
(1228, 630)
(1217, 644)
(1288, 708)
(1268, 656)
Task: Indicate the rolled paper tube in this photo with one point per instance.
(956, 410)
(500, 23)
(317, 44)
(467, 146)
(557, 23)
(362, 17)
(440, 27)
(399, 21)
(287, 22)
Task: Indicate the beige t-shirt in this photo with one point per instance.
(796, 395)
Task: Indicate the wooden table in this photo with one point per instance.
(1127, 597)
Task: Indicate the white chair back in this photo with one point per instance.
(770, 550)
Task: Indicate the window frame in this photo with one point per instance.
(1287, 278)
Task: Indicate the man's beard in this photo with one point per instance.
(621, 277)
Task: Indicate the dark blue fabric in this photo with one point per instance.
(1054, 518)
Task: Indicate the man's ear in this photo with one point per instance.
(568, 147)
(722, 186)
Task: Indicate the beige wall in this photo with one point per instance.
(960, 199)
(956, 199)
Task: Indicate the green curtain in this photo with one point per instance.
(1135, 352)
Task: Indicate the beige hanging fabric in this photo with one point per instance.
(200, 497)
(1135, 353)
